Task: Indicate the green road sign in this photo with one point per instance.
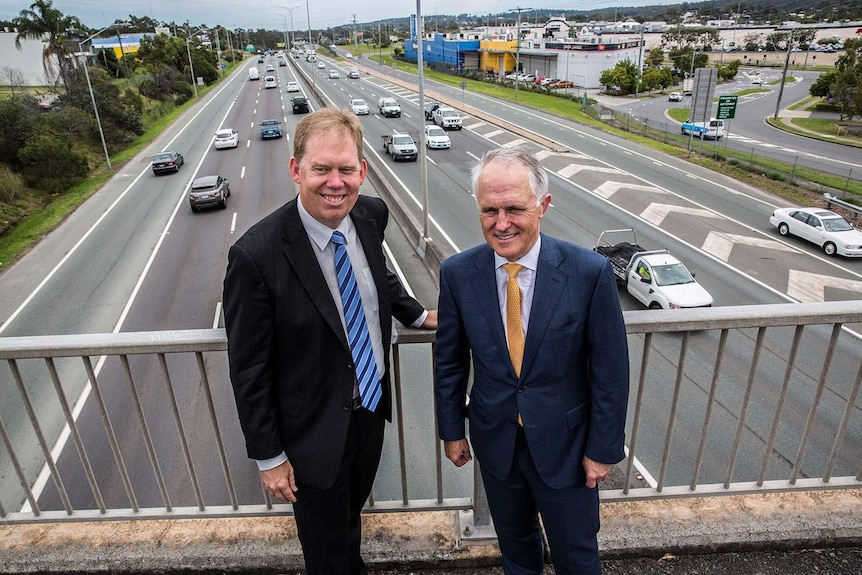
(726, 107)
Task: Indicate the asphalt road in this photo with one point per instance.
(155, 265)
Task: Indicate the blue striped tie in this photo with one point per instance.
(357, 330)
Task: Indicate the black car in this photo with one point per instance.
(209, 191)
(300, 105)
(167, 162)
(430, 109)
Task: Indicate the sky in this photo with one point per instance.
(270, 14)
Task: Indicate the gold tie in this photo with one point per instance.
(514, 327)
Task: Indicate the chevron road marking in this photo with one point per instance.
(573, 169)
(721, 244)
(494, 133)
(808, 287)
(656, 213)
(544, 154)
(609, 188)
(475, 125)
(514, 143)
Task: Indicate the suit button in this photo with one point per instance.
(520, 388)
(347, 405)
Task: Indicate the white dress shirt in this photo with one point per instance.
(526, 281)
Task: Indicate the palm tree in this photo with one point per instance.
(44, 22)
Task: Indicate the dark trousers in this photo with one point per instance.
(570, 517)
(328, 520)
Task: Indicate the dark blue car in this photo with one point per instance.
(270, 129)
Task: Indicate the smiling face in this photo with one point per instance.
(329, 175)
(508, 210)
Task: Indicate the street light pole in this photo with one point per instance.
(518, 46)
(191, 65)
(90, 88)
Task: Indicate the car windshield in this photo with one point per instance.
(269, 123)
(359, 103)
(402, 140)
(449, 113)
(837, 225)
(673, 274)
(223, 136)
(162, 158)
(436, 131)
(202, 187)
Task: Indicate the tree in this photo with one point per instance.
(656, 79)
(44, 22)
(18, 119)
(847, 86)
(621, 78)
(12, 77)
(702, 38)
(822, 87)
(654, 58)
(728, 71)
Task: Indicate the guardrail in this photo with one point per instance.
(832, 200)
(725, 400)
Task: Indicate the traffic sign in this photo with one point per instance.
(726, 107)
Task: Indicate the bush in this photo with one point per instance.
(49, 164)
(11, 185)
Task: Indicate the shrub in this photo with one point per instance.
(49, 164)
(11, 185)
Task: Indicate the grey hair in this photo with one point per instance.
(536, 174)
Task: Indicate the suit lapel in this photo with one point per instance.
(484, 283)
(300, 254)
(550, 283)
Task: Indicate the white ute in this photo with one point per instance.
(653, 277)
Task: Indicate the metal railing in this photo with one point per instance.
(724, 400)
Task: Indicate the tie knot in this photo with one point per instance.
(512, 269)
(337, 238)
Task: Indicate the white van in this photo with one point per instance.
(253, 74)
(712, 130)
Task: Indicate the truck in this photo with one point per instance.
(653, 277)
(711, 130)
(447, 118)
(687, 86)
(389, 107)
(400, 146)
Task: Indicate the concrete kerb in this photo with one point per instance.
(430, 539)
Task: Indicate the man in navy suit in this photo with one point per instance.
(315, 434)
(548, 400)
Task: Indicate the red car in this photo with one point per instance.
(562, 84)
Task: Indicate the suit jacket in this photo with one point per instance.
(290, 361)
(573, 389)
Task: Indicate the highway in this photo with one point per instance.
(135, 258)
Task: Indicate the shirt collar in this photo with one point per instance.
(320, 234)
(529, 260)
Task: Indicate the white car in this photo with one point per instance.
(269, 82)
(293, 86)
(834, 234)
(436, 137)
(674, 97)
(321, 65)
(270, 68)
(359, 107)
(226, 138)
(334, 75)
(757, 80)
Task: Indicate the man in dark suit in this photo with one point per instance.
(540, 320)
(312, 395)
